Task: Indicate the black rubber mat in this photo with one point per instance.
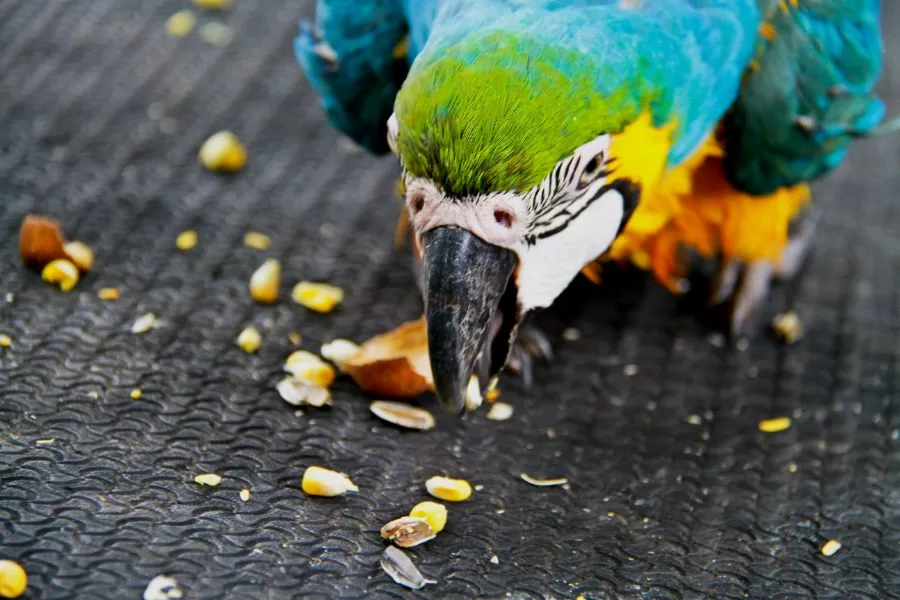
(673, 491)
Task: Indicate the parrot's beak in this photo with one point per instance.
(470, 310)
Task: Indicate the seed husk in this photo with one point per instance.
(407, 532)
(543, 482)
(299, 393)
(403, 415)
(401, 569)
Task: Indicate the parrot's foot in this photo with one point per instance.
(745, 286)
(531, 344)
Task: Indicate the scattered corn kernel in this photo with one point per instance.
(208, 479)
(13, 579)
(324, 482)
(451, 490)
(543, 482)
(339, 350)
(5, 341)
(245, 495)
(186, 240)
(309, 368)
(249, 340)
(788, 327)
(257, 240)
(181, 23)
(223, 152)
(403, 415)
(61, 272)
(434, 513)
(217, 34)
(295, 338)
(473, 394)
(80, 254)
(220, 4)
(775, 425)
(319, 297)
(492, 395)
(109, 293)
(297, 393)
(830, 547)
(136, 393)
(145, 323)
(407, 532)
(265, 281)
(500, 411)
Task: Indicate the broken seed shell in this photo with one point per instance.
(403, 415)
(543, 482)
(401, 569)
(40, 241)
(395, 363)
(407, 532)
(299, 393)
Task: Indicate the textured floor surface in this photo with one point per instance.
(673, 490)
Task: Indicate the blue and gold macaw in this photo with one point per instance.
(539, 138)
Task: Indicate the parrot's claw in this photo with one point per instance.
(531, 344)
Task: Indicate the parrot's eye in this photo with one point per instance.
(592, 170)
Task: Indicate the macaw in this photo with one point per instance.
(539, 138)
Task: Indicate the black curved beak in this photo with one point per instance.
(465, 281)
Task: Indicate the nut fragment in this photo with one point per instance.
(265, 281)
(145, 323)
(210, 479)
(500, 411)
(451, 490)
(309, 368)
(181, 23)
(401, 569)
(830, 547)
(223, 151)
(788, 327)
(298, 393)
(395, 363)
(433, 512)
(40, 241)
(162, 587)
(325, 482)
(543, 482)
(13, 579)
(80, 254)
(319, 297)
(186, 240)
(338, 351)
(5, 341)
(108, 293)
(62, 272)
(403, 415)
(775, 425)
(249, 340)
(407, 532)
(257, 240)
(244, 495)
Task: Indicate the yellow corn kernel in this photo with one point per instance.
(181, 23)
(324, 482)
(319, 297)
(257, 240)
(265, 281)
(62, 272)
(5, 341)
(492, 395)
(830, 547)
(775, 425)
(223, 152)
(186, 239)
(220, 4)
(249, 340)
(13, 579)
(136, 393)
(210, 479)
(451, 490)
(434, 513)
(109, 293)
(310, 369)
(80, 254)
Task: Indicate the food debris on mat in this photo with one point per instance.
(217, 34)
(265, 282)
(543, 482)
(395, 363)
(407, 532)
(181, 23)
(434, 513)
(500, 411)
(831, 547)
(401, 569)
(249, 340)
(223, 151)
(318, 481)
(40, 241)
(244, 495)
(492, 395)
(257, 240)
(186, 240)
(788, 327)
(695, 419)
(403, 415)
(295, 338)
(210, 479)
(495, 560)
(319, 297)
(775, 425)
(446, 488)
(13, 579)
(309, 368)
(338, 351)
(162, 587)
(298, 393)
(5, 341)
(62, 272)
(473, 394)
(110, 294)
(80, 254)
(213, 4)
(45, 442)
(145, 323)
(136, 393)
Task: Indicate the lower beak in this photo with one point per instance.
(465, 279)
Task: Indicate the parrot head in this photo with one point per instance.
(515, 179)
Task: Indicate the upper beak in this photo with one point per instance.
(465, 279)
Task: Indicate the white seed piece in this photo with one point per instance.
(217, 34)
(631, 370)
(80, 254)
(325, 482)
(249, 340)
(339, 350)
(788, 327)
(495, 560)
(299, 393)
(407, 532)
(210, 479)
(695, 420)
(473, 394)
(145, 323)
(162, 587)
(500, 411)
(831, 547)
(265, 281)
(571, 334)
(401, 569)
(543, 482)
(46, 442)
(403, 415)
(245, 495)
